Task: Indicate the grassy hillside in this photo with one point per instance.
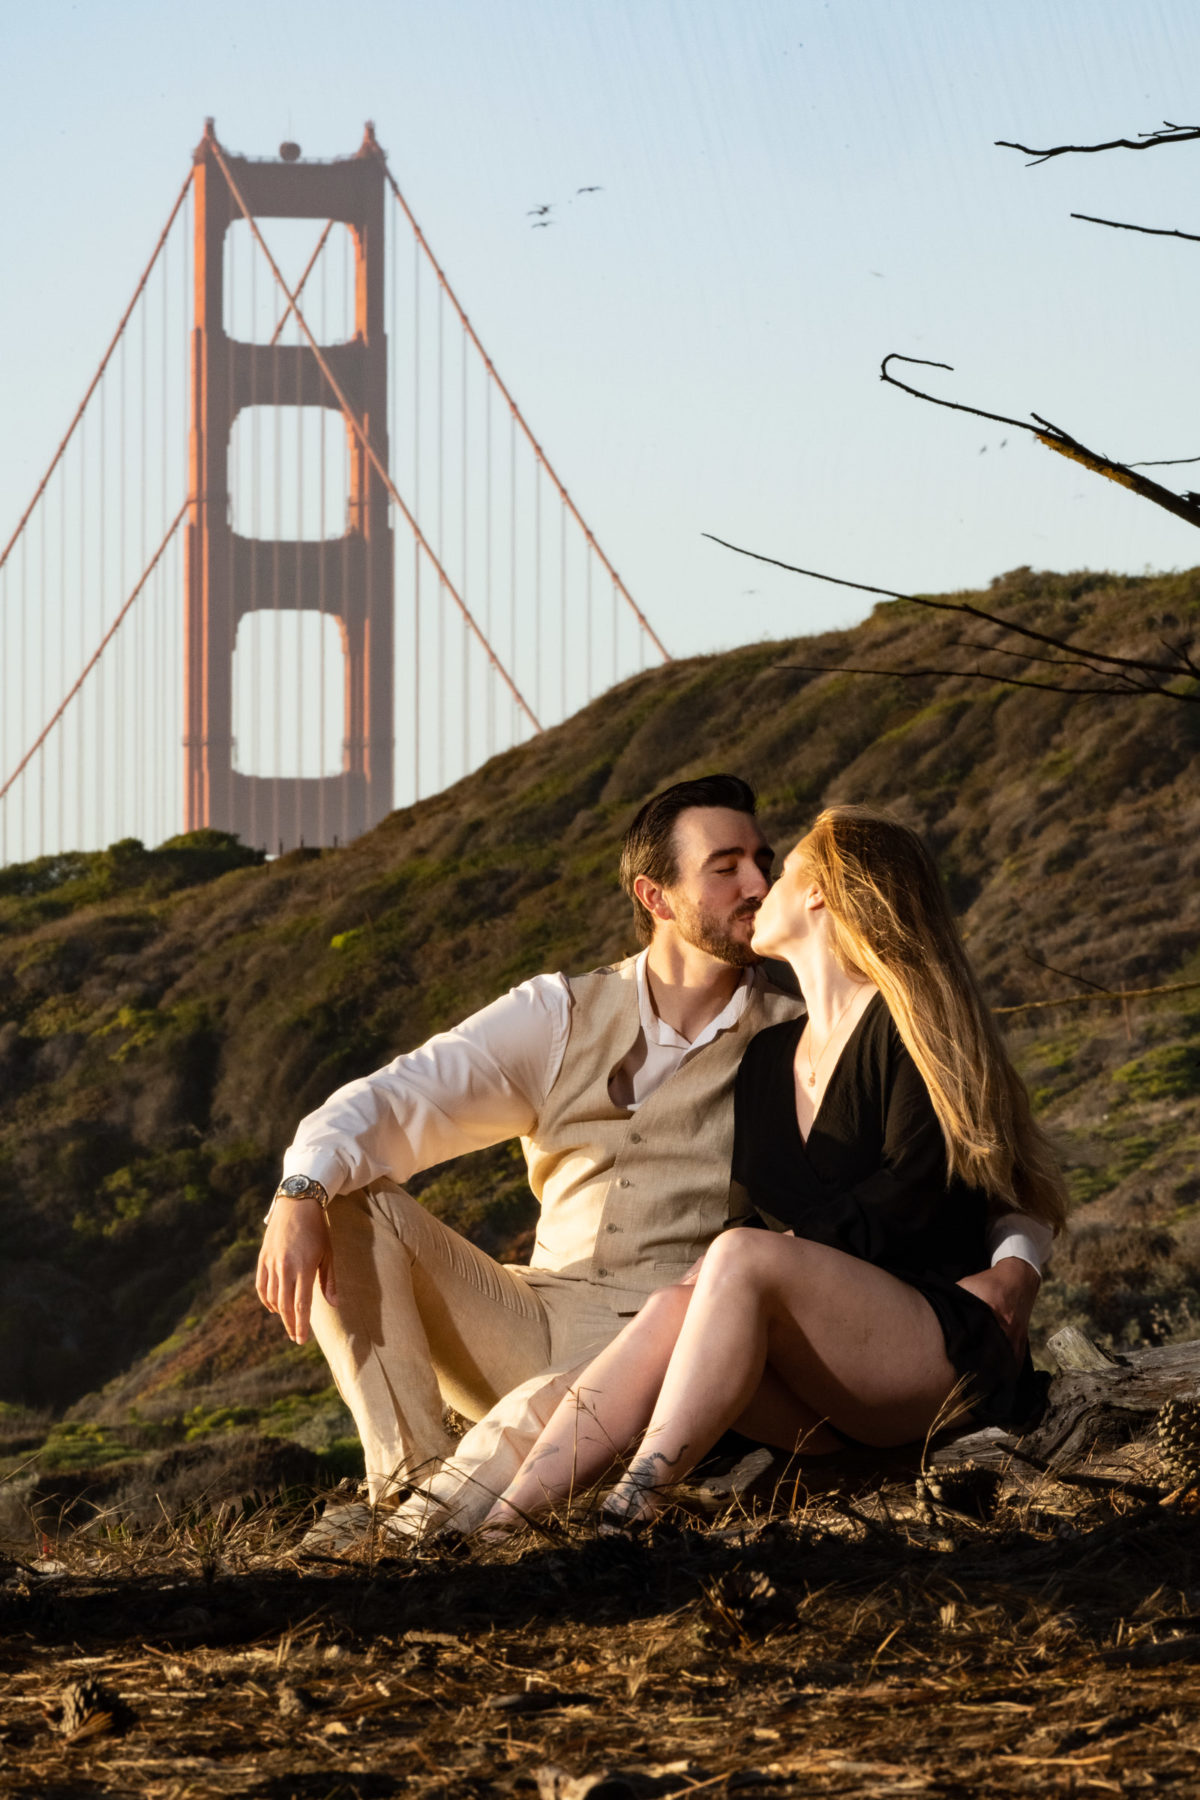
(167, 1015)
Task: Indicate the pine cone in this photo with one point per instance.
(89, 1709)
(965, 1489)
(1177, 1427)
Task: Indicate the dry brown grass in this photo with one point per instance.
(834, 1643)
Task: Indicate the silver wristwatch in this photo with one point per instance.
(302, 1187)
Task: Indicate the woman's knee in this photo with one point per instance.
(742, 1255)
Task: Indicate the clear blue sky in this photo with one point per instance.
(791, 188)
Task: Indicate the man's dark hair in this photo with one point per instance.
(648, 847)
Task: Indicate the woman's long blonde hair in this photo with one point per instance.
(891, 924)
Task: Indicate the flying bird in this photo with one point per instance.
(589, 190)
(540, 210)
(541, 225)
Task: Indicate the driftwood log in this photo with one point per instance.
(1097, 1407)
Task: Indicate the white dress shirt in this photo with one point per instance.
(485, 1081)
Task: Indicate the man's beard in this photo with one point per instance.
(712, 932)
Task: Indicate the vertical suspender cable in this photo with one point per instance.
(253, 756)
(515, 726)
(489, 677)
(441, 543)
(173, 644)
(101, 721)
(43, 611)
(588, 637)
(135, 651)
(3, 739)
(393, 364)
(168, 481)
(465, 650)
(562, 606)
(416, 407)
(24, 685)
(276, 534)
(351, 452)
(82, 714)
(62, 649)
(537, 588)
(322, 497)
(143, 467)
(298, 633)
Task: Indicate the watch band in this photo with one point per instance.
(302, 1187)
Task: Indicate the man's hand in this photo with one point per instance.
(1010, 1288)
(296, 1250)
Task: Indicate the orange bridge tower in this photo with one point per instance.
(349, 578)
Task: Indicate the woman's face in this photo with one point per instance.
(784, 916)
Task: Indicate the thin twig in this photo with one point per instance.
(997, 680)
(1145, 140)
(1122, 994)
(1146, 230)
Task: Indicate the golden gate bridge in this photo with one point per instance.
(298, 557)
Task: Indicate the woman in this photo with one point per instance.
(873, 1137)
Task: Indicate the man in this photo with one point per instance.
(619, 1084)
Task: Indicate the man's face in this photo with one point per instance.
(724, 865)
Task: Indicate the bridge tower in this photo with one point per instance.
(349, 578)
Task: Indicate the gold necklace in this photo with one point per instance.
(814, 1066)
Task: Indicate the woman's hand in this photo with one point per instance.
(1010, 1288)
(296, 1250)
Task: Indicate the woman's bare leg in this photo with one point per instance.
(601, 1414)
(848, 1342)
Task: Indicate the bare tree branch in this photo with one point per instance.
(1075, 651)
(1054, 438)
(1147, 230)
(997, 680)
(1067, 974)
(1079, 660)
(1124, 676)
(1145, 140)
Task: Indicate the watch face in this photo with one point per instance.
(294, 1185)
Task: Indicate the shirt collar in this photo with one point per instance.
(657, 1031)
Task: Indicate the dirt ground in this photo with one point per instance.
(846, 1645)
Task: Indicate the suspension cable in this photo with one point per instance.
(643, 621)
(369, 448)
(104, 362)
(101, 647)
(309, 267)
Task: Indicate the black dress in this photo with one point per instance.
(871, 1180)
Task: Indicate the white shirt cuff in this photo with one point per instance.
(1016, 1234)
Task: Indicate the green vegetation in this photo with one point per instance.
(1170, 1072)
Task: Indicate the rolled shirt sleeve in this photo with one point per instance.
(481, 1083)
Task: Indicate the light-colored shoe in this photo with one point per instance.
(340, 1530)
(414, 1521)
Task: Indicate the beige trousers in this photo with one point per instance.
(424, 1318)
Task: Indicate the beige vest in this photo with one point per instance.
(630, 1200)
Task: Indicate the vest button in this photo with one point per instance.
(602, 1273)
(624, 1182)
(612, 1228)
(635, 1137)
